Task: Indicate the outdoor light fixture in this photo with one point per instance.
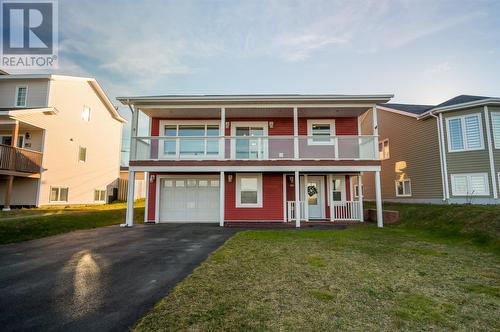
(152, 178)
(271, 124)
(228, 124)
(230, 178)
(291, 179)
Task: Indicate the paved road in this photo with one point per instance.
(98, 280)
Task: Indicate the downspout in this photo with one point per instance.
(442, 157)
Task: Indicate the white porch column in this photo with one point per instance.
(222, 132)
(284, 199)
(297, 199)
(295, 133)
(306, 200)
(129, 219)
(378, 198)
(360, 197)
(375, 131)
(222, 187)
(490, 152)
(329, 196)
(133, 133)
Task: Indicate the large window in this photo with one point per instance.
(21, 95)
(188, 144)
(383, 149)
(470, 184)
(465, 133)
(248, 190)
(495, 125)
(320, 131)
(58, 194)
(403, 188)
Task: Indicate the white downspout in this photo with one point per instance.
(490, 152)
(444, 177)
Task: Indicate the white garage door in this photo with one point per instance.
(189, 199)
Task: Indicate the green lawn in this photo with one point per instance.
(439, 269)
(29, 224)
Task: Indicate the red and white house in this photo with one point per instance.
(254, 158)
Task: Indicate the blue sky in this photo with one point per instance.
(421, 51)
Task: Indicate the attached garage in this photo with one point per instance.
(189, 199)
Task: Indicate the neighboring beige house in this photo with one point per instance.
(449, 153)
(67, 149)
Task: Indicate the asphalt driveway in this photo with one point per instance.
(102, 279)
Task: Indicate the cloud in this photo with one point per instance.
(439, 68)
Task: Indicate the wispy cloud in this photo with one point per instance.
(439, 68)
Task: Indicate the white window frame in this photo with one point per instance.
(382, 153)
(464, 132)
(404, 194)
(311, 122)
(17, 95)
(79, 148)
(58, 194)
(178, 123)
(343, 193)
(496, 142)
(356, 190)
(468, 176)
(260, 124)
(240, 176)
(85, 108)
(102, 200)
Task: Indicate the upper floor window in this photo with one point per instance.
(82, 154)
(21, 95)
(188, 144)
(465, 133)
(86, 114)
(383, 149)
(320, 131)
(495, 126)
(403, 188)
(470, 184)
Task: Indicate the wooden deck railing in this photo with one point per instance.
(19, 159)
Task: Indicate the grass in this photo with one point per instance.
(439, 269)
(29, 224)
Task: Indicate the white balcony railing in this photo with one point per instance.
(341, 210)
(255, 148)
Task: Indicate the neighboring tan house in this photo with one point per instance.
(449, 153)
(246, 159)
(60, 141)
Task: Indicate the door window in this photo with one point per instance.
(251, 145)
(337, 190)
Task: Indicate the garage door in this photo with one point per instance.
(189, 199)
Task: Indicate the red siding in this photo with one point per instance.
(272, 200)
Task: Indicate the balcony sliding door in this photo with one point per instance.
(249, 141)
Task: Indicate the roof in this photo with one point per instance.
(92, 81)
(408, 108)
(3, 72)
(460, 100)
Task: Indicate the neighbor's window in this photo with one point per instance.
(337, 190)
(465, 133)
(320, 131)
(82, 154)
(403, 188)
(58, 194)
(86, 114)
(100, 195)
(383, 149)
(495, 124)
(21, 95)
(470, 184)
(248, 190)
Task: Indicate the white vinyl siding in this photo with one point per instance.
(495, 126)
(403, 188)
(465, 133)
(470, 184)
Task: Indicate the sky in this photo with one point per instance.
(422, 51)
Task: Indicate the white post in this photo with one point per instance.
(375, 131)
(360, 197)
(490, 153)
(284, 199)
(129, 218)
(445, 164)
(222, 186)
(295, 133)
(330, 198)
(222, 133)
(297, 199)
(306, 199)
(378, 198)
(133, 134)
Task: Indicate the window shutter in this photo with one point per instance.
(473, 132)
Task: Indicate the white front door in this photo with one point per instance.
(189, 199)
(315, 197)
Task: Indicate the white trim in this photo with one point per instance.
(393, 110)
(255, 168)
(311, 122)
(441, 167)
(263, 139)
(468, 178)
(295, 133)
(492, 115)
(445, 162)
(17, 95)
(305, 196)
(297, 199)
(222, 187)
(480, 102)
(403, 182)
(378, 199)
(284, 198)
(329, 194)
(490, 152)
(240, 176)
(360, 197)
(129, 217)
(464, 132)
(146, 203)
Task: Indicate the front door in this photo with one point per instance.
(315, 197)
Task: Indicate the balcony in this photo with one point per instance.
(13, 159)
(255, 148)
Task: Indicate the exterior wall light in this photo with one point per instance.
(230, 178)
(152, 178)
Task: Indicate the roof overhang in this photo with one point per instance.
(475, 103)
(389, 109)
(26, 111)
